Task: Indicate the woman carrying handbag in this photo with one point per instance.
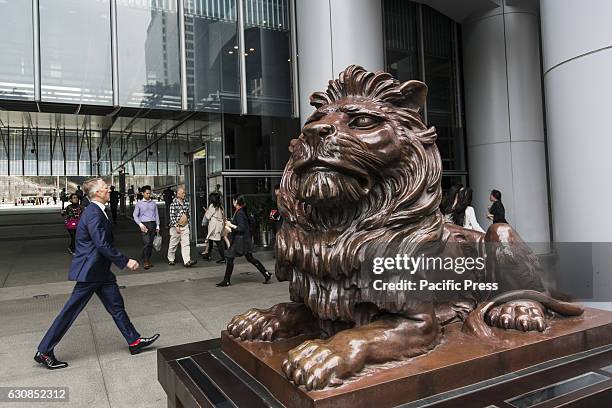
(72, 214)
(242, 242)
(214, 218)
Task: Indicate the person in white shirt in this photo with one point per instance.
(463, 213)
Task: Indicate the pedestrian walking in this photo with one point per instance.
(147, 218)
(179, 229)
(168, 195)
(131, 195)
(463, 213)
(90, 269)
(54, 196)
(497, 212)
(214, 219)
(63, 197)
(79, 194)
(241, 242)
(115, 197)
(72, 215)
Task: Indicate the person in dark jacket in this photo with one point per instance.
(72, 214)
(241, 242)
(497, 212)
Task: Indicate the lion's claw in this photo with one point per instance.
(254, 324)
(520, 315)
(316, 364)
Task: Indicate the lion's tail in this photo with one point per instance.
(475, 322)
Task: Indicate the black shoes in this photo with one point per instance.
(220, 261)
(224, 284)
(171, 263)
(206, 257)
(191, 263)
(267, 277)
(49, 361)
(143, 343)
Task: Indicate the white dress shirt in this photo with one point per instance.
(102, 207)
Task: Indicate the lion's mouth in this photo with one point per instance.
(326, 165)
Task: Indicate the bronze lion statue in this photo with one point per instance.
(363, 181)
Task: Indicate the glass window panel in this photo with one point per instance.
(213, 73)
(267, 41)
(258, 142)
(16, 50)
(148, 48)
(401, 39)
(75, 51)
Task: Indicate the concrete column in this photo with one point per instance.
(577, 62)
(504, 118)
(333, 34)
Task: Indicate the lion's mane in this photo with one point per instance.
(323, 259)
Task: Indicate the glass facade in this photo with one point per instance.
(421, 43)
(75, 52)
(16, 51)
(148, 54)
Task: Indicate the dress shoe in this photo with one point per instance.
(143, 342)
(191, 263)
(206, 257)
(223, 284)
(146, 265)
(221, 261)
(267, 277)
(170, 263)
(49, 361)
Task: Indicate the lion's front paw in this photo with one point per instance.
(525, 315)
(254, 324)
(316, 364)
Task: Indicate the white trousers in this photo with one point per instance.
(183, 238)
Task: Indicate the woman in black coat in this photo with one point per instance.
(242, 243)
(497, 212)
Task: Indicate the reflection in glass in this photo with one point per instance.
(268, 57)
(148, 48)
(212, 55)
(258, 142)
(75, 51)
(16, 50)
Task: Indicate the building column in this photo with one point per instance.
(577, 61)
(333, 34)
(504, 118)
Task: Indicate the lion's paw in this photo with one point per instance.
(254, 324)
(316, 364)
(525, 315)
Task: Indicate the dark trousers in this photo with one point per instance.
(72, 233)
(229, 266)
(220, 248)
(114, 211)
(111, 298)
(147, 240)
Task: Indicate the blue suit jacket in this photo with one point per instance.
(94, 249)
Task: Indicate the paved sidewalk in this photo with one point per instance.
(102, 373)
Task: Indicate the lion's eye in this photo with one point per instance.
(363, 122)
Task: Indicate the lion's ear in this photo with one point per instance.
(415, 93)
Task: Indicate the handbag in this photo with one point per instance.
(205, 221)
(183, 221)
(72, 223)
(157, 242)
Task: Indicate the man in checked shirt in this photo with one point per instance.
(179, 229)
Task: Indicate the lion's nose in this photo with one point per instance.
(319, 130)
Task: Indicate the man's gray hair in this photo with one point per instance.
(91, 186)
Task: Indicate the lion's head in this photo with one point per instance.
(364, 173)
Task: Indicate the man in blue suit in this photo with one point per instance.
(90, 270)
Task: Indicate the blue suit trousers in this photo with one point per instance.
(111, 298)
